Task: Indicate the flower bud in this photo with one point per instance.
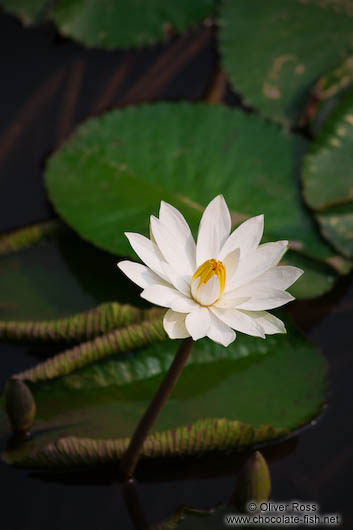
(20, 406)
(254, 482)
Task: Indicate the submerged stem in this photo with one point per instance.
(132, 454)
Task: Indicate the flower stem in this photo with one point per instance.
(130, 458)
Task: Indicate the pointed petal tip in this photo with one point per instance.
(131, 234)
(226, 343)
(218, 199)
(121, 264)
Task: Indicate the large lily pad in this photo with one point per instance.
(113, 173)
(115, 23)
(274, 51)
(270, 386)
(328, 177)
(57, 278)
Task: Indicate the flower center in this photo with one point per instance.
(207, 284)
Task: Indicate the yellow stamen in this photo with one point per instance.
(207, 270)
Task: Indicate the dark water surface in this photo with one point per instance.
(48, 85)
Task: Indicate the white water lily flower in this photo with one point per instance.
(224, 282)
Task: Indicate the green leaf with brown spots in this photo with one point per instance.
(254, 390)
(326, 95)
(328, 177)
(274, 51)
(186, 154)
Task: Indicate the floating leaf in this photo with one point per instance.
(83, 326)
(326, 94)
(184, 154)
(328, 177)
(337, 226)
(27, 10)
(252, 391)
(115, 23)
(29, 235)
(119, 340)
(274, 53)
(57, 278)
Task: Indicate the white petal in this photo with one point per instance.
(174, 324)
(269, 323)
(231, 262)
(275, 279)
(257, 263)
(147, 251)
(239, 321)
(246, 237)
(174, 251)
(214, 228)
(226, 302)
(206, 293)
(198, 323)
(159, 295)
(219, 332)
(183, 304)
(280, 277)
(267, 298)
(180, 282)
(177, 225)
(140, 274)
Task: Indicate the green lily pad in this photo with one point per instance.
(59, 277)
(328, 177)
(252, 391)
(337, 226)
(115, 23)
(184, 154)
(274, 53)
(27, 10)
(327, 94)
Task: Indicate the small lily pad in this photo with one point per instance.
(252, 391)
(184, 154)
(274, 51)
(328, 177)
(115, 23)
